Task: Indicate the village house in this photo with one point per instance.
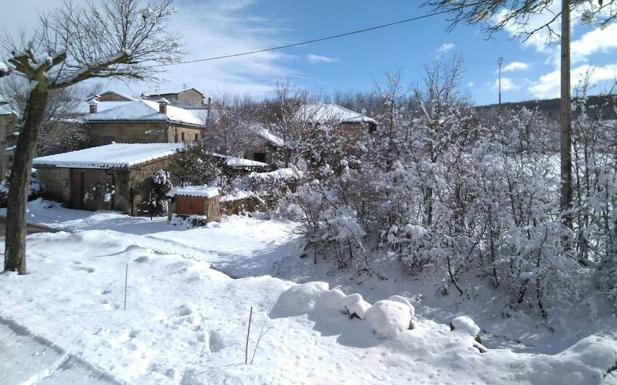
(265, 144)
(142, 121)
(344, 119)
(110, 177)
(8, 128)
(189, 98)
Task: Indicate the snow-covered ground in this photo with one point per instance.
(185, 322)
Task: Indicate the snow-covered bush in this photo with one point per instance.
(99, 195)
(466, 193)
(154, 193)
(35, 191)
(387, 318)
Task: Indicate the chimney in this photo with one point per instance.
(93, 106)
(163, 106)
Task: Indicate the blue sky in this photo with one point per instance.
(212, 28)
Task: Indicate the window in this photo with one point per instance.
(183, 138)
(196, 137)
(176, 137)
(259, 157)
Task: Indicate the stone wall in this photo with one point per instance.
(57, 183)
(140, 132)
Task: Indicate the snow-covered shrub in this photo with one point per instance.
(154, 193)
(469, 194)
(35, 191)
(190, 221)
(387, 318)
(466, 325)
(99, 194)
(195, 166)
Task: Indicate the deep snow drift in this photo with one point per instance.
(186, 323)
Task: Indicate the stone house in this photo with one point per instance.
(110, 177)
(188, 98)
(143, 121)
(343, 119)
(265, 144)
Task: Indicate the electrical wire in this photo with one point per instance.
(311, 41)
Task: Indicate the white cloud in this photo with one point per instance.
(445, 47)
(320, 59)
(548, 85)
(515, 66)
(208, 28)
(507, 84)
(600, 40)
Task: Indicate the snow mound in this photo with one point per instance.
(387, 318)
(466, 325)
(300, 299)
(356, 306)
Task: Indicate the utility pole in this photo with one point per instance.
(499, 63)
(566, 122)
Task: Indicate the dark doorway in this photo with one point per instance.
(259, 157)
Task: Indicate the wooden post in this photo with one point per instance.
(248, 334)
(126, 280)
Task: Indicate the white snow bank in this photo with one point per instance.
(194, 191)
(186, 323)
(115, 155)
(386, 318)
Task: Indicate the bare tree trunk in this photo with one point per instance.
(15, 244)
(566, 120)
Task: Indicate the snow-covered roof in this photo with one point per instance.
(328, 112)
(232, 161)
(145, 110)
(241, 162)
(115, 155)
(194, 191)
(84, 107)
(270, 137)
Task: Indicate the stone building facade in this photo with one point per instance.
(142, 121)
(69, 177)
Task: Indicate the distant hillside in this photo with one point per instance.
(605, 106)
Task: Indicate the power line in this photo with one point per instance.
(305, 42)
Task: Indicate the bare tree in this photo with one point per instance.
(121, 38)
(61, 129)
(502, 13)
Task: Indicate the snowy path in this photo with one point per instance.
(31, 360)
